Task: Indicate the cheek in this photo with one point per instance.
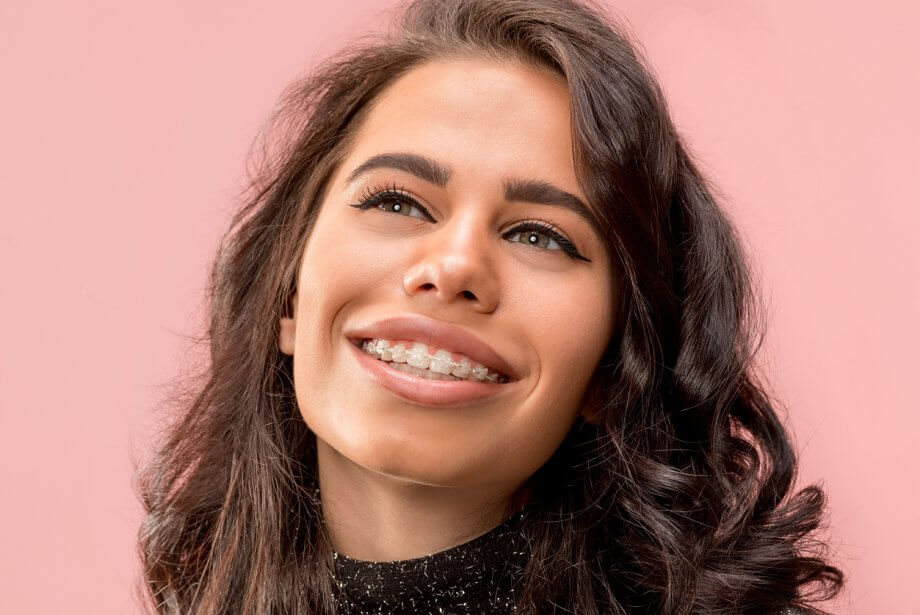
(342, 261)
(341, 265)
(569, 324)
(570, 327)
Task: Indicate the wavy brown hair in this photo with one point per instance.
(679, 498)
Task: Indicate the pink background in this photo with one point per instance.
(124, 132)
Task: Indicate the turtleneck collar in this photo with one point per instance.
(478, 576)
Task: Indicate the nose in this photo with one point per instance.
(454, 264)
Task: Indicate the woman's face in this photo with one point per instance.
(447, 249)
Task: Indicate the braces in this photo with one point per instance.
(370, 346)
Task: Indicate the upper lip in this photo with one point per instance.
(439, 334)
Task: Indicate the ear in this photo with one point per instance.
(286, 333)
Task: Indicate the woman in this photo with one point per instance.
(481, 341)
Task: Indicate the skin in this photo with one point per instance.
(399, 480)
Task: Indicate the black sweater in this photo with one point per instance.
(478, 576)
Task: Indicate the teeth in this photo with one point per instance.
(442, 362)
(418, 356)
(399, 353)
(386, 353)
(419, 360)
(463, 369)
(425, 373)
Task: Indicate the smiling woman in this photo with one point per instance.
(481, 342)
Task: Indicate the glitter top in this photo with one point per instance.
(478, 576)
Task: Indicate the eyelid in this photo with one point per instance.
(551, 231)
(544, 225)
(371, 192)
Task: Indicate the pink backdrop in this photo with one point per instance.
(124, 133)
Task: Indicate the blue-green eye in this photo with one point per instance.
(543, 234)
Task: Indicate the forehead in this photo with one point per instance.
(485, 117)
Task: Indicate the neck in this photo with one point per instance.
(378, 517)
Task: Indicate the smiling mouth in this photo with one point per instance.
(429, 363)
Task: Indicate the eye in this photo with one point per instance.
(537, 233)
(545, 236)
(393, 200)
(532, 235)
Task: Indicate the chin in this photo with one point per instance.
(412, 464)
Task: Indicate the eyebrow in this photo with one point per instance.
(528, 190)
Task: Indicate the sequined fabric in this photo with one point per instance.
(479, 576)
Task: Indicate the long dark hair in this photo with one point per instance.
(677, 499)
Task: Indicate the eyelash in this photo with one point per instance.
(376, 196)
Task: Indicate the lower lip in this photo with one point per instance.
(424, 391)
